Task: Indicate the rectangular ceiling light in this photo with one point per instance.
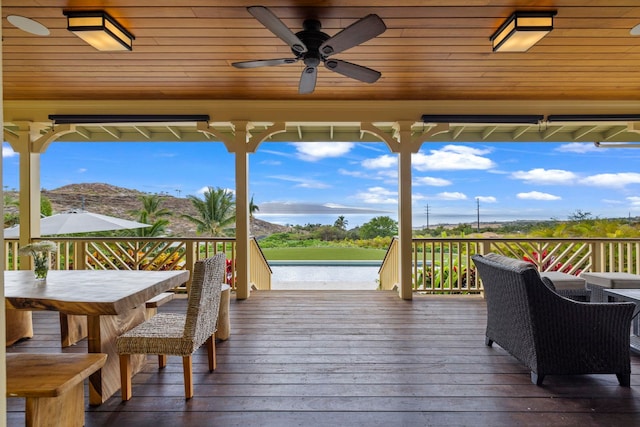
(522, 30)
(99, 29)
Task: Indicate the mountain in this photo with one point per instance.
(115, 201)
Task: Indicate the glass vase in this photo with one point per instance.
(41, 271)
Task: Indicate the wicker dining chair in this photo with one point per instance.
(179, 334)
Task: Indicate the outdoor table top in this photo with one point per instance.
(88, 292)
(612, 279)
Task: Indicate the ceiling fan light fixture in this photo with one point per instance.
(100, 30)
(522, 30)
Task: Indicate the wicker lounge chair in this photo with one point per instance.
(179, 334)
(548, 333)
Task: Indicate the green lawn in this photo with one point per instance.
(323, 253)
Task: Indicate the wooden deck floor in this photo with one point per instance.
(350, 358)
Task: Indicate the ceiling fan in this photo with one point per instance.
(313, 47)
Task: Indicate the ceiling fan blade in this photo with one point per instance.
(355, 71)
(277, 27)
(308, 80)
(359, 32)
(264, 63)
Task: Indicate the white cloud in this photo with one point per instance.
(612, 180)
(381, 162)
(378, 195)
(537, 195)
(452, 196)
(271, 162)
(431, 181)
(487, 199)
(541, 176)
(314, 151)
(616, 202)
(635, 201)
(355, 174)
(7, 151)
(302, 182)
(452, 157)
(82, 170)
(577, 147)
(205, 189)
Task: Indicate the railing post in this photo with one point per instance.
(80, 249)
(596, 255)
(190, 252)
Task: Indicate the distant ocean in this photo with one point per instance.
(419, 220)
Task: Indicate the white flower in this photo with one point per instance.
(36, 247)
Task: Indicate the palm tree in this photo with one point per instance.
(151, 213)
(216, 212)
(252, 207)
(151, 209)
(341, 223)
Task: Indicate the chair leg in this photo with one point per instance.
(488, 341)
(536, 378)
(624, 379)
(211, 352)
(188, 376)
(162, 361)
(125, 376)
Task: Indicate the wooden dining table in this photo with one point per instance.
(112, 300)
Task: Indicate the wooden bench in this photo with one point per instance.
(53, 385)
(155, 302)
(74, 328)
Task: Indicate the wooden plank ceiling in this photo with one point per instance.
(432, 50)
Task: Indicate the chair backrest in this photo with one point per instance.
(204, 298)
(507, 284)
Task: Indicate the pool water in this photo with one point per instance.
(324, 277)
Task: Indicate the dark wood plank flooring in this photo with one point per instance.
(351, 358)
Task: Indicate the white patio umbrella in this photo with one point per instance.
(77, 221)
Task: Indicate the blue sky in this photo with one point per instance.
(316, 182)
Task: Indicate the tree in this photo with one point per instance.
(580, 215)
(151, 213)
(216, 212)
(45, 206)
(380, 226)
(11, 215)
(151, 209)
(252, 207)
(341, 223)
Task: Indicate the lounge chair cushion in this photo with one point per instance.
(513, 263)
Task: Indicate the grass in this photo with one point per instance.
(323, 253)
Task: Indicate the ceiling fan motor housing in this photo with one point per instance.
(312, 38)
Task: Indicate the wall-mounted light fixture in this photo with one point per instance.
(593, 118)
(483, 118)
(522, 30)
(99, 29)
(77, 119)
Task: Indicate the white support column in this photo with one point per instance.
(405, 222)
(29, 191)
(243, 231)
(3, 356)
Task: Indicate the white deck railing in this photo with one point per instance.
(444, 265)
(439, 265)
(152, 253)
